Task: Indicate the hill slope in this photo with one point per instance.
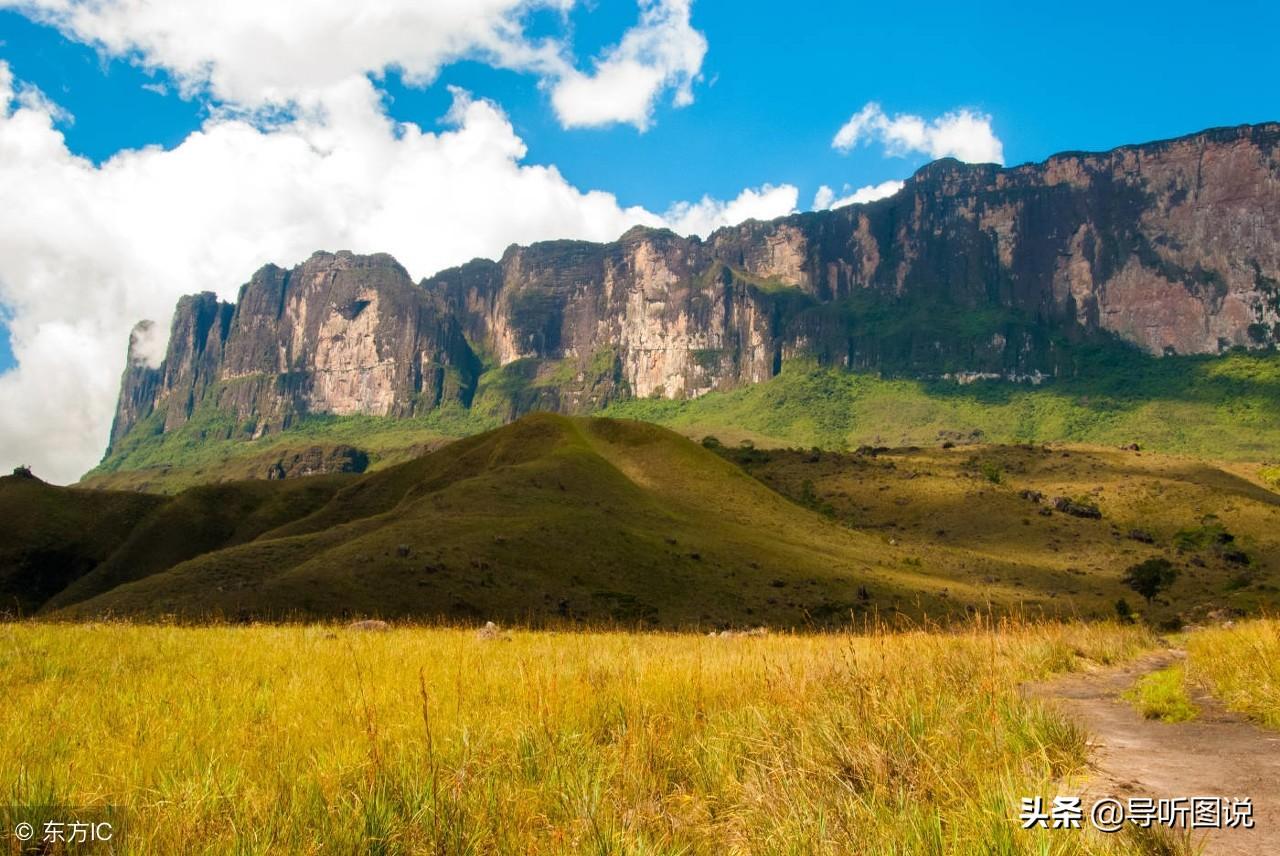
(562, 519)
(548, 518)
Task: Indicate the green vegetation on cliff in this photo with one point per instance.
(1214, 408)
(1217, 408)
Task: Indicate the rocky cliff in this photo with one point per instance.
(1171, 246)
(338, 334)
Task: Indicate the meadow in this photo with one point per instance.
(1240, 665)
(317, 739)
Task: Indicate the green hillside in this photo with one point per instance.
(1215, 408)
(549, 518)
(555, 519)
(52, 536)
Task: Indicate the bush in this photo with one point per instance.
(1151, 577)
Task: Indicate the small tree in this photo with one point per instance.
(1124, 612)
(1151, 577)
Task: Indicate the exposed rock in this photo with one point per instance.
(339, 334)
(1170, 246)
(369, 626)
(1031, 495)
(1141, 536)
(492, 632)
(318, 460)
(1077, 509)
(753, 633)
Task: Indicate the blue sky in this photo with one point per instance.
(778, 84)
(218, 137)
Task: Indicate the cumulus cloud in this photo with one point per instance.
(264, 56)
(662, 52)
(707, 214)
(961, 134)
(826, 197)
(86, 251)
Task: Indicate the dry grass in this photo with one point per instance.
(956, 526)
(1241, 666)
(318, 740)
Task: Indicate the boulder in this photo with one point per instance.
(1077, 509)
(371, 625)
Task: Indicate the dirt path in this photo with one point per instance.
(1217, 754)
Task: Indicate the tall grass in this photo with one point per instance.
(1163, 695)
(1241, 666)
(318, 740)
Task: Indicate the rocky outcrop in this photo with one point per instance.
(340, 334)
(318, 460)
(970, 271)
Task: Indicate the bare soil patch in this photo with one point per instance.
(1217, 754)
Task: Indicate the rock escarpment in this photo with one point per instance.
(970, 270)
(339, 334)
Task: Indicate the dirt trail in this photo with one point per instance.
(1217, 754)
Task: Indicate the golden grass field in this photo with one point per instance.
(317, 739)
(1241, 666)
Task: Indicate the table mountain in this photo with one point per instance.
(969, 270)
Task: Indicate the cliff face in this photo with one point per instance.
(1172, 246)
(338, 334)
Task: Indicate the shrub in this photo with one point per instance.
(1151, 577)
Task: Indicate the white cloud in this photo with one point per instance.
(89, 250)
(254, 53)
(961, 134)
(662, 52)
(826, 197)
(707, 214)
(264, 55)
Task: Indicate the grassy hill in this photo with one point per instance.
(52, 536)
(549, 518)
(984, 515)
(557, 519)
(1215, 408)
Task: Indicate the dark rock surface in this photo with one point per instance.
(319, 460)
